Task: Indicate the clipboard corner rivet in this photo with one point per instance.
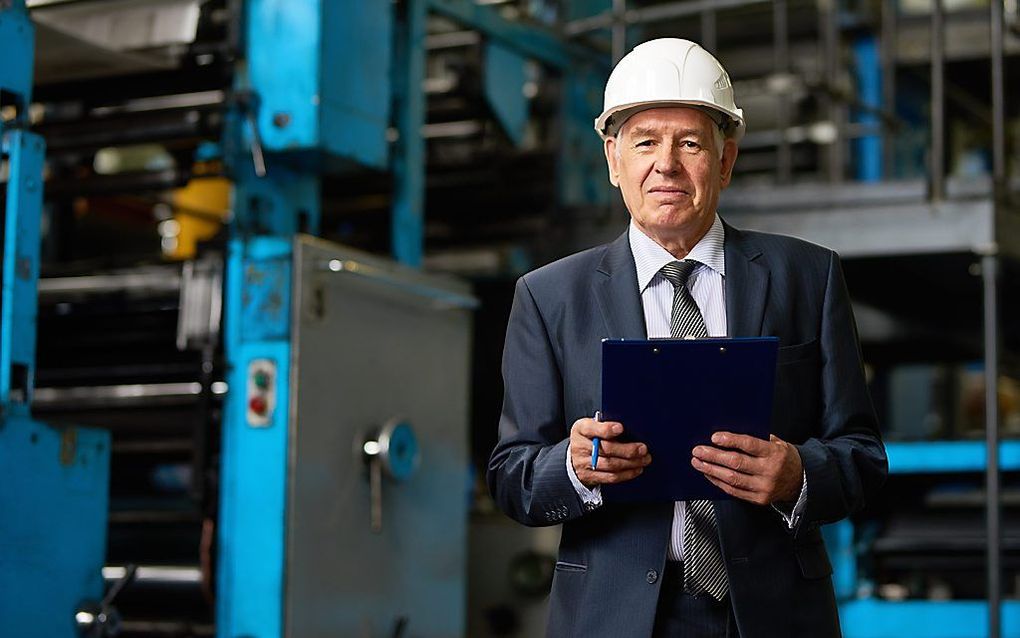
(655, 350)
(722, 350)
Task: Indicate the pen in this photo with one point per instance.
(595, 444)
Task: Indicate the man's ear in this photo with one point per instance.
(729, 158)
(612, 161)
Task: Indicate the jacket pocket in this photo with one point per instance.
(798, 352)
(563, 566)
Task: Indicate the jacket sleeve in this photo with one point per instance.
(527, 472)
(845, 464)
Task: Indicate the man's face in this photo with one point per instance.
(670, 171)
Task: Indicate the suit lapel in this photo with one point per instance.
(747, 285)
(617, 292)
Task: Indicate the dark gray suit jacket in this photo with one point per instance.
(607, 578)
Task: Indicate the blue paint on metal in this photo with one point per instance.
(322, 77)
(577, 9)
(924, 457)
(839, 541)
(25, 153)
(408, 214)
(283, 203)
(265, 309)
(505, 75)
(53, 499)
(924, 619)
(208, 151)
(17, 40)
(868, 74)
(583, 177)
(254, 459)
(53, 482)
(530, 40)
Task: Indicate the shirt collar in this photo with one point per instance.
(650, 257)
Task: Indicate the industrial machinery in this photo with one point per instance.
(54, 478)
(282, 436)
(251, 423)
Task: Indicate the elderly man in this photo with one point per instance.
(752, 566)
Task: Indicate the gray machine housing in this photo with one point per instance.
(375, 342)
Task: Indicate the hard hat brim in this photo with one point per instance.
(734, 132)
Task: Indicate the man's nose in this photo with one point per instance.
(667, 161)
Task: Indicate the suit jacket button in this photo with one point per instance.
(652, 576)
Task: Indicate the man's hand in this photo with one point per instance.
(762, 472)
(617, 462)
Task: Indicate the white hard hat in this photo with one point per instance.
(669, 72)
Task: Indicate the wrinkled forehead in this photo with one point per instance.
(669, 119)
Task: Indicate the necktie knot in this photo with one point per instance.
(678, 272)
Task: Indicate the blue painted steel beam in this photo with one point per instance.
(923, 457)
(924, 619)
(16, 43)
(868, 74)
(582, 177)
(529, 40)
(25, 153)
(505, 75)
(408, 215)
(253, 503)
(53, 481)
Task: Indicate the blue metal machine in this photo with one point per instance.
(325, 105)
(320, 85)
(53, 482)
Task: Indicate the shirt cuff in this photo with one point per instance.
(591, 498)
(791, 514)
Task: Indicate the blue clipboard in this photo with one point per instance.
(673, 394)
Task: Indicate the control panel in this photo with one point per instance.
(261, 402)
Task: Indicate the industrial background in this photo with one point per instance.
(258, 257)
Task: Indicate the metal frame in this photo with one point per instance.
(408, 213)
(52, 480)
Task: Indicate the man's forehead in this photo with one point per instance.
(671, 119)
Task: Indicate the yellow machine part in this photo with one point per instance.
(200, 209)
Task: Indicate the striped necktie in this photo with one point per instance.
(704, 570)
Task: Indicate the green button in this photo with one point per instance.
(261, 380)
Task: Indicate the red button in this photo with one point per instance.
(258, 405)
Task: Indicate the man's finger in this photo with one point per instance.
(750, 444)
(618, 465)
(737, 461)
(623, 450)
(726, 475)
(596, 477)
(746, 495)
(603, 429)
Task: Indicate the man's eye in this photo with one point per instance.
(690, 145)
(644, 143)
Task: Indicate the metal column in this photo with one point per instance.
(828, 25)
(408, 216)
(53, 481)
(989, 277)
(936, 178)
(990, 273)
(888, 55)
(781, 66)
(619, 30)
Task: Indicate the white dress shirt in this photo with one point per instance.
(707, 287)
